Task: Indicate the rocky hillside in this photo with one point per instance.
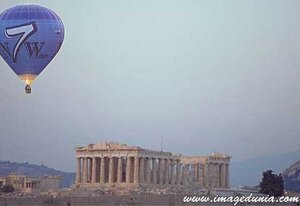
(32, 170)
(291, 177)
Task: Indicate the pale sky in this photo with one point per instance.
(208, 76)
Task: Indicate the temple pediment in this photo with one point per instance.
(109, 146)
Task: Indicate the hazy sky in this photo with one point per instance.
(208, 76)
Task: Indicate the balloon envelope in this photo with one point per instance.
(30, 37)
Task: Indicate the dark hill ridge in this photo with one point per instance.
(291, 177)
(33, 170)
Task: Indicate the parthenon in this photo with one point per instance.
(112, 163)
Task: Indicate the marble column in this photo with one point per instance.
(167, 172)
(196, 169)
(172, 174)
(223, 175)
(160, 171)
(84, 171)
(185, 174)
(94, 169)
(102, 170)
(154, 171)
(178, 175)
(128, 170)
(136, 170)
(97, 169)
(206, 175)
(78, 171)
(111, 170)
(148, 170)
(227, 176)
(142, 169)
(201, 174)
(90, 170)
(119, 175)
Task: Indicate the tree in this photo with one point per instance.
(271, 184)
(8, 188)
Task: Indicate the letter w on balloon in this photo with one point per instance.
(35, 47)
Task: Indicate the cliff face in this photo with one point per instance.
(32, 170)
(291, 177)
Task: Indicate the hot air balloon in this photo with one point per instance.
(30, 37)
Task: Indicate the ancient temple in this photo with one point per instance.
(112, 163)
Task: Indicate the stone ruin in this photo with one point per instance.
(111, 167)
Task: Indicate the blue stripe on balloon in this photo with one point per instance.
(28, 12)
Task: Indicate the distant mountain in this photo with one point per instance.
(32, 170)
(291, 178)
(249, 172)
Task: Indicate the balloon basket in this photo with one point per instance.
(28, 89)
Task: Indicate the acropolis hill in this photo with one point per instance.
(111, 164)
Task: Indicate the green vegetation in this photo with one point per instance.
(271, 184)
